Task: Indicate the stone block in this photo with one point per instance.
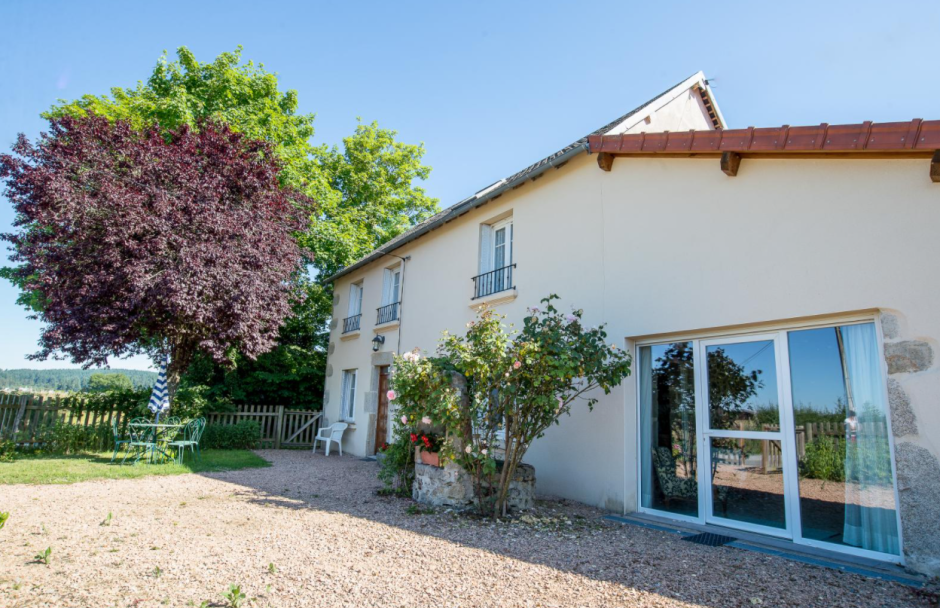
(908, 356)
(890, 326)
(452, 487)
(903, 419)
(919, 493)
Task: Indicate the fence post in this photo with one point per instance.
(278, 427)
(24, 399)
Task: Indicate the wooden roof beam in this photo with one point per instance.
(730, 161)
(605, 161)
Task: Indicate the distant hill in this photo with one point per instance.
(66, 379)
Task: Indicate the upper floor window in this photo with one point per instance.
(391, 296)
(354, 313)
(496, 259)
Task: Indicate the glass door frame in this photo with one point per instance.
(780, 332)
(784, 434)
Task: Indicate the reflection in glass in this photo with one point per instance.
(846, 482)
(741, 490)
(742, 387)
(667, 423)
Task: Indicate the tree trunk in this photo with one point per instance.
(174, 372)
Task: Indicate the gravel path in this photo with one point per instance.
(180, 541)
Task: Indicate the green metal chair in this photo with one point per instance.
(192, 433)
(171, 434)
(141, 439)
(118, 440)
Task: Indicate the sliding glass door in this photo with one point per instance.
(784, 433)
(745, 440)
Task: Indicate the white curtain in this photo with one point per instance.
(486, 248)
(355, 300)
(349, 395)
(870, 518)
(388, 285)
(647, 425)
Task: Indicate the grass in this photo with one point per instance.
(72, 469)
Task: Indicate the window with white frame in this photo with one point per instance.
(496, 258)
(348, 410)
(354, 311)
(391, 295)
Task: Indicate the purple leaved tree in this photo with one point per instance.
(140, 242)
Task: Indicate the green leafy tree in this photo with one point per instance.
(100, 383)
(373, 175)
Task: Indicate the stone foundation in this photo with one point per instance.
(450, 486)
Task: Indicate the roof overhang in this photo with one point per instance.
(915, 139)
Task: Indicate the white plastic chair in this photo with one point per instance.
(330, 434)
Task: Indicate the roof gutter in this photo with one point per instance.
(459, 209)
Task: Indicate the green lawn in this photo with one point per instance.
(71, 469)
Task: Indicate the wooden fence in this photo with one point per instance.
(24, 417)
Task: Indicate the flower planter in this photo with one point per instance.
(431, 458)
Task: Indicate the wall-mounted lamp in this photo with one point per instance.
(377, 342)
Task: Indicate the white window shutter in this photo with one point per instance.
(486, 248)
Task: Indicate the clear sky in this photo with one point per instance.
(488, 86)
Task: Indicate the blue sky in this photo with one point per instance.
(487, 86)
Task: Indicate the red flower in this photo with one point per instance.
(427, 442)
(414, 438)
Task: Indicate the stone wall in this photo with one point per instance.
(909, 359)
(450, 486)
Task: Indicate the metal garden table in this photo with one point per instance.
(156, 443)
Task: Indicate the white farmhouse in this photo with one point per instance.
(777, 288)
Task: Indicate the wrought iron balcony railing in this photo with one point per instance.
(493, 281)
(389, 313)
(351, 323)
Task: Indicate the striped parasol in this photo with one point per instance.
(160, 398)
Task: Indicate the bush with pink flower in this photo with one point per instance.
(519, 383)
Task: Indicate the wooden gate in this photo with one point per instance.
(280, 427)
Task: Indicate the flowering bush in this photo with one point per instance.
(422, 393)
(429, 442)
(519, 384)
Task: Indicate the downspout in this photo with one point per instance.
(401, 298)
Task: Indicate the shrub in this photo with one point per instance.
(7, 451)
(244, 435)
(398, 466)
(518, 384)
(824, 459)
(65, 438)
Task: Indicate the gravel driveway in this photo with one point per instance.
(180, 541)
